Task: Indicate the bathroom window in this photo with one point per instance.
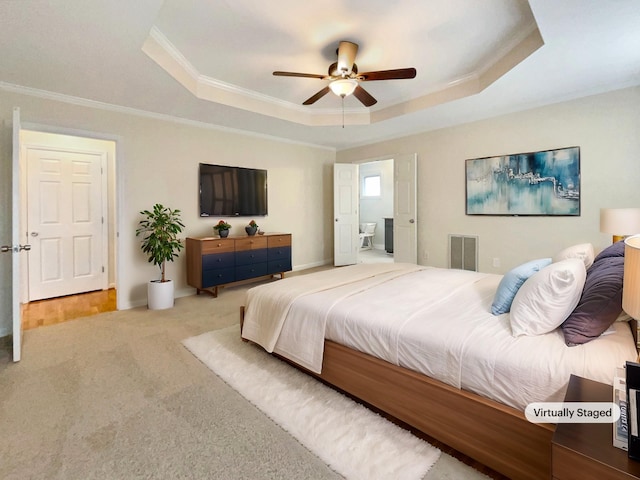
(371, 186)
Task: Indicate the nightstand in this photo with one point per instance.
(585, 451)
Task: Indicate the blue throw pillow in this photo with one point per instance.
(511, 283)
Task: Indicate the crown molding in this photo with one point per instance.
(160, 49)
(94, 104)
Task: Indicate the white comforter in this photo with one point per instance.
(268, 306)
(437, 322)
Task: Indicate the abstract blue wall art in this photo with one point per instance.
(536, 183)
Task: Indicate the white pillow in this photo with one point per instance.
(511, 283)
(583, 251)
(547, 298)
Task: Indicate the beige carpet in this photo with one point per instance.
(117, 396)
(354, 441)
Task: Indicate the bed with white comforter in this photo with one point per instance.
(431, 320)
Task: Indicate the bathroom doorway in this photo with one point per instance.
(376, 211)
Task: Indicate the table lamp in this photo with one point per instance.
(620, 222)
(631, 305)
(631, 281)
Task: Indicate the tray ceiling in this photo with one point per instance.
(211, 62)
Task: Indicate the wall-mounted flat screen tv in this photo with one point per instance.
(232, 191)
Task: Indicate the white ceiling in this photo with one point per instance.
(211, 61)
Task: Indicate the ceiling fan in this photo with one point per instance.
(345, 79)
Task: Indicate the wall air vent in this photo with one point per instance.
(463, 252)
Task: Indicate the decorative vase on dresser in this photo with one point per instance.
(252, 228)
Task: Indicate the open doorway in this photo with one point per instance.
(376, 211)
(72, 253)
(348, 203)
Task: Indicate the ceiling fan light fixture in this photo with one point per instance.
(343, 87)
(345, 79)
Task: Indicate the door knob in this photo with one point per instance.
(34, 234)
(412, 221)
(9, 248)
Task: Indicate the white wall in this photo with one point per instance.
(157, 162)
(605, 127)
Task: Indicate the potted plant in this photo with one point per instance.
(159, 230)
(222, 228)
(252, 228)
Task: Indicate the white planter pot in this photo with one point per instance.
(160, 295)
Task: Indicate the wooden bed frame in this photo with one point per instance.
(494, 434)
(489, 432)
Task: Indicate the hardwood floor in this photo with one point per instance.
(61, 309)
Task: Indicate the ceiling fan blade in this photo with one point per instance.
(346, 56)
(365, 98)
(397, 74)
(316, 97)
(294, 74)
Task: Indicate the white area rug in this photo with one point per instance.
(351, 439)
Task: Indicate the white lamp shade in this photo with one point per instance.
(631, 283)
(343, 86)
(620, 221)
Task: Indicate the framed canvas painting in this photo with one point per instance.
(535, 183)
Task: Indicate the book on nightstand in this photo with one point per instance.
(633, 408)
(620, 431)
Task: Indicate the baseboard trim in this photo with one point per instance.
(187, 291)
(306, 266)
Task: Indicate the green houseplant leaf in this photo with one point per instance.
(159, 230)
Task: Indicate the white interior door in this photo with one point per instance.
(66, 215)
(345, 212)
(405, 248)
(16, 248)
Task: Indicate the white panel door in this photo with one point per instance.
(65, 222)
(16, 248)
(345, 212)
(405, 248)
